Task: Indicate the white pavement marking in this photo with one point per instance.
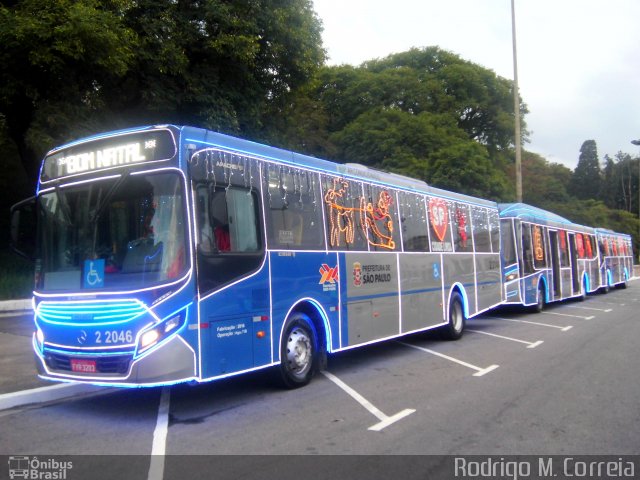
(385, 420)
(568, 315)
(156, 468)
(529, 344)
(46, 394)
(479, 371)
(606, 303)
(562, 329)
(607, 310)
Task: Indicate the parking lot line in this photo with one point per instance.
(561, 328)
(606, 310)
(385, 420)
(479, 371)
(158, 450)
(569, 315)
(529, 344)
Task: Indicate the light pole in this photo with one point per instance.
(516, 107)
(637, 143)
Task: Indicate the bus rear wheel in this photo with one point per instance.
(455, 327)
(298, 352)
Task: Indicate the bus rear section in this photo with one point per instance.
(616, 258)
(546, 258)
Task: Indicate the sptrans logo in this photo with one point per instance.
(34, 468)
(328, 277)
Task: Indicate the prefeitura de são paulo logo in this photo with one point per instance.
(357, 274)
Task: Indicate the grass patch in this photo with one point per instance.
(16, 280)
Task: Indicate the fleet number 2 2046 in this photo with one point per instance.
(114, 337)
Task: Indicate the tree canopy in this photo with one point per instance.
(75, 67)
(425, 112)
(256, 69)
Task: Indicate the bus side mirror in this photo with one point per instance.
(23, 228)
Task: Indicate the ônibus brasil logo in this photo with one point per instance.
(34, 468)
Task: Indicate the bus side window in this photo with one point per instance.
(205, 232)
(508, 247)
(413, 221)
(294, 210)
(527, 252)
(462, 228)
(242, 224)
(227, 220)
(481, 232)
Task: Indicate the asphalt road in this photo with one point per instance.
(563, 382)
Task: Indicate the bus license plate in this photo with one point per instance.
(83, 366)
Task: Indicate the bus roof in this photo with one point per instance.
(202, 137)
(530, 213)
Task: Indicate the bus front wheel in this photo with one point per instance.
(539, 306)
(298, 352)
(454, 328)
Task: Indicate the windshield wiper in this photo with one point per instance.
(103, 204)
(64, 205)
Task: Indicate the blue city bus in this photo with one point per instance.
(616, 258)
(168, 254)
(546, 258)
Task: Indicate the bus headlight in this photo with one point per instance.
(149, 338)
(160, 331)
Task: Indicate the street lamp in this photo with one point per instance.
(516, 107)
(637, 143)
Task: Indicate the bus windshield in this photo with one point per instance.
(125, 231)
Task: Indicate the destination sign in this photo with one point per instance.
(106, 153)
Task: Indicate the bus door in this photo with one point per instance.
(573, 255)
(555, 263)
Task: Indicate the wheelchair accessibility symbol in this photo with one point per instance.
(93, 273)
(436, 270)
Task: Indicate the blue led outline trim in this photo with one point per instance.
(103, 304)
(185, 278)
(166, 338)
(88, 353)
(437, 192)
(105, 136)
(106, 380)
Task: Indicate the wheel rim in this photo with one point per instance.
(299, 351)
(455, 317)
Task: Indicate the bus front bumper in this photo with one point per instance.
(172, 362)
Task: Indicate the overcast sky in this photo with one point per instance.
(578, 60)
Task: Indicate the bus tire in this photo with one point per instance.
(540, 300)
(454, 329)
(298, 352)
(583, 291)
(607, 286)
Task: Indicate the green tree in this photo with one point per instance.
(543, 182)
(586, 180)
(76, 67)
(620, 182)
(56, 56)
(412, 112)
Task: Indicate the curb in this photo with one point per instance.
(15, 305)
(46, 394)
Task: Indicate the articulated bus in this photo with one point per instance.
(168, 254)
(546, 258)
(616, 258)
